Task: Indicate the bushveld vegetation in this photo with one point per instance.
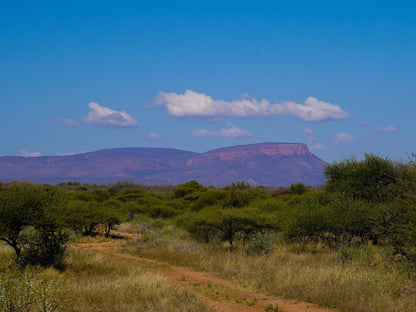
(350, 244)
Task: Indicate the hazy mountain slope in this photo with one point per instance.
(276, 164)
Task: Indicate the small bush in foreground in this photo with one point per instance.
(25, 291)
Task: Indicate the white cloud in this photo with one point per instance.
(192, 104)
(318, 147)
(343, 138)
(28, 154)
(106, 117)
(230, 132)
(312, 110)
(65, 122)
(308, 131)
(153, 136)
(389, 128)
(312, 139)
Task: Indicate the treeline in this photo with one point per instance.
(370, 200)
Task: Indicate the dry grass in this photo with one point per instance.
(96, 282)
(351, 280)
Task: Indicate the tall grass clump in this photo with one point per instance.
(350, 279)
(29, 290)
(91, 281)
(97, 282)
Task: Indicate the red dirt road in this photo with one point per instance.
(218, 294)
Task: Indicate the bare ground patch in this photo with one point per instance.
(218, 294)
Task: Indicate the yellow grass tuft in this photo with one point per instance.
(368, 281)
(96, 282)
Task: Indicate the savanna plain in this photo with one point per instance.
(349, 245)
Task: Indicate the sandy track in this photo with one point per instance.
(219, 294)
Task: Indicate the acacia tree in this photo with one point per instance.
(28, 225)
(84, 216)
(371, 179)
(17, 206)
(401, 213)
(80, 215)
(225, 224)
(202, 225)
(110, 215)
(335, 217)
(243, 223)
(187, 189)
(390, 188)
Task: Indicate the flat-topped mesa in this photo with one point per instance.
(273, 150)
(268, 164)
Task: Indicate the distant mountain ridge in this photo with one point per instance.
(268, 164)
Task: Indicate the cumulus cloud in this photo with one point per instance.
(65, 122)
(193, 104)
(28, 154)
(343, 138)
(153, 136)
(389, 128)
(107, 117)
(230, 132)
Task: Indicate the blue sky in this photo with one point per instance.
(80, 76)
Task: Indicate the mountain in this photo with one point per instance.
(268, 164)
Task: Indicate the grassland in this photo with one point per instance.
(348, 279)
(92, 282)
(349, 246)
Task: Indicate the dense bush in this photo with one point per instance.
(43, 247)
(371, 179)
(389, 190)
(227, 224)
(331, 216)
(208, 198)
(188, 189)
(298, 188)
(401, 212)
(28, 223)
(363, 200)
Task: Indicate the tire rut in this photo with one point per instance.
(218, 294)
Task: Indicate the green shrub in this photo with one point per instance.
(344, 255)
(162, 211)
(334, 216)
(260, 243)
(186, 189)
(24, 291)
(208, 198)
(298, 188)
(28, 223)
(42, 247)
(308, 219)
(371, 179)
